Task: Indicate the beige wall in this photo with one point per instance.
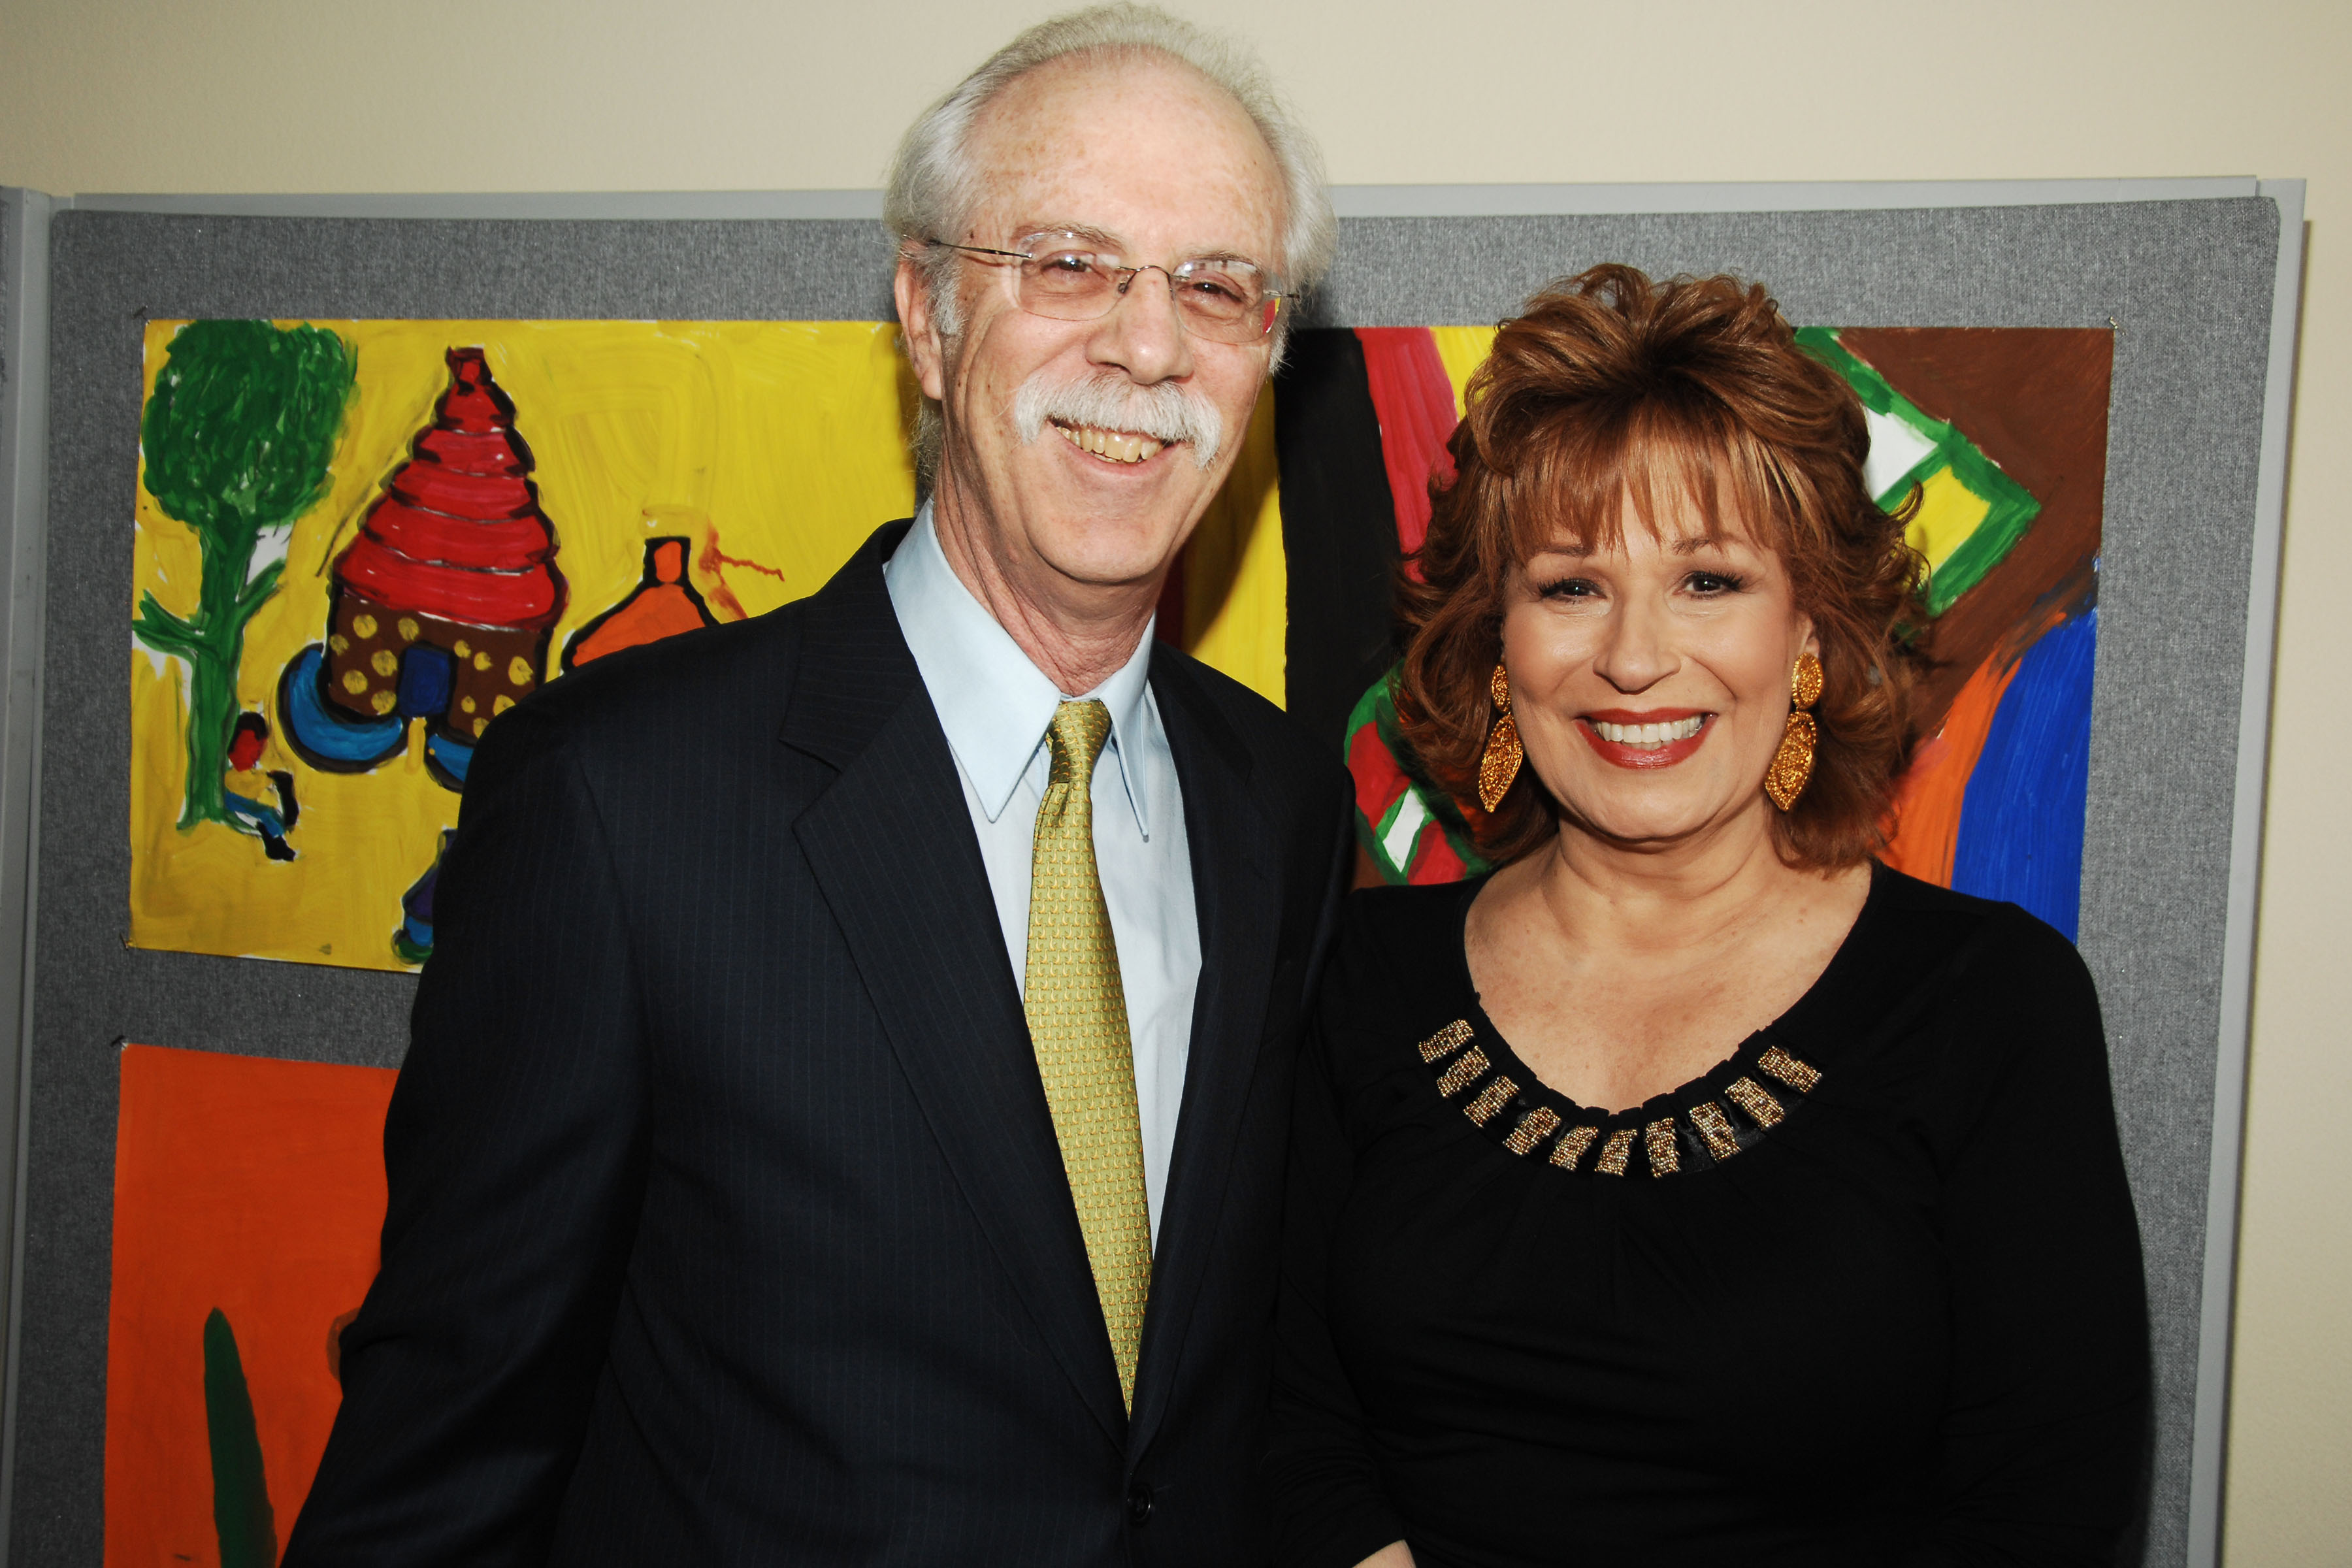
(515, 95)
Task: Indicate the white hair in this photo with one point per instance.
(933, 187)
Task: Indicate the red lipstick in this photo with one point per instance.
(1619, 755)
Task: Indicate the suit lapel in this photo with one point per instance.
(891, 846)
(1232, 850)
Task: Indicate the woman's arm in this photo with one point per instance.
(1395, 1554)
(2045, 1427)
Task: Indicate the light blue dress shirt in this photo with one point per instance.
(996, 706)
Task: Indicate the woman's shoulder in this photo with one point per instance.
(1397, 953)
(1391, 924)
(2005, 988)
(1980, 937)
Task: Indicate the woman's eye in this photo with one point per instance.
(1710, 583)
(1569, 588)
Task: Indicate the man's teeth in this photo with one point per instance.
(1650, 735)
(1118, 446)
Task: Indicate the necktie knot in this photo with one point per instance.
(1078, 731)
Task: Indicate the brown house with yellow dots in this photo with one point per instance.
(445, 603)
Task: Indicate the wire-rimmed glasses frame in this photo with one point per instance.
(1066, 276)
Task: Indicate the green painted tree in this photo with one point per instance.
(237, 435)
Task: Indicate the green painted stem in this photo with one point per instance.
(213, 661)
(241, 1516)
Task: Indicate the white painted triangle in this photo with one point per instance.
(1403, 828)
(1895, 448)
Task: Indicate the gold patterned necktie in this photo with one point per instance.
(1077, 1025)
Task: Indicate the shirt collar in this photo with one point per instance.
(995, 705)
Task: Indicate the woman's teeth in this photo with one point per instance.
(1649, 736)
(1118, 446)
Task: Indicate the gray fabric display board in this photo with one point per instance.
(2188, 285)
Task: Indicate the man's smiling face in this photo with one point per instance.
(1159, 165)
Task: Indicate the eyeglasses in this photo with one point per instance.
(1068, 277)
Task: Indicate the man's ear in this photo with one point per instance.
(925, 351)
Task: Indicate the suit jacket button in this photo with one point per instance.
(1138, 1504)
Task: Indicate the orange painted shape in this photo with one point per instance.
(660, 611)
(252, 1185)
(1926, 819)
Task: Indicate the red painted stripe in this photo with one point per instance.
(473, 401)
(1434, 859)
(477, 496)
(1415, 399)
(472, 451)
(508, 599)
(1378, 781)
(513, 544)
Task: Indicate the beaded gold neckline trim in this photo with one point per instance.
(1713, 1129)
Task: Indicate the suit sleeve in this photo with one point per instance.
(515, 1151)
(1335, 884)
(1330, 1509)
(2046, 1419)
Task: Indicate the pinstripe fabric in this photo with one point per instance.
(1077, 1027)
(728, 1223)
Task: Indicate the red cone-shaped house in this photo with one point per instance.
(446, 601)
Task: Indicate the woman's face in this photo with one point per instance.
(1651, 680)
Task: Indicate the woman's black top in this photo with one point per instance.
(1867, 1292)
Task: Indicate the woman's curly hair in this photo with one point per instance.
(1610, 387)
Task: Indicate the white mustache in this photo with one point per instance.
(1166, 412)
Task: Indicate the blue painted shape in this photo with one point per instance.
(265, 822)
(427, 676)
(323, 733)
(452, 757)
(2021, 835)
(418, 903)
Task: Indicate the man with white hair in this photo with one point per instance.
(845, 1111)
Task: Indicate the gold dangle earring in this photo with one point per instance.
(1500, 763)
(1792, 764)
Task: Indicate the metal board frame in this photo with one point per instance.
(23, 540)
(2208, 1455)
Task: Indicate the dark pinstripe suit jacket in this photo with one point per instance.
(727, 1222)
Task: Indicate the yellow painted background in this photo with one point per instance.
(776, 447)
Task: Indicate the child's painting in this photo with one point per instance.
(360, 542)
(248, 1198)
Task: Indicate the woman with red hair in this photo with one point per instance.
(1694, 1189)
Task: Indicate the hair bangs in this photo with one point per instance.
(1681, 466)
